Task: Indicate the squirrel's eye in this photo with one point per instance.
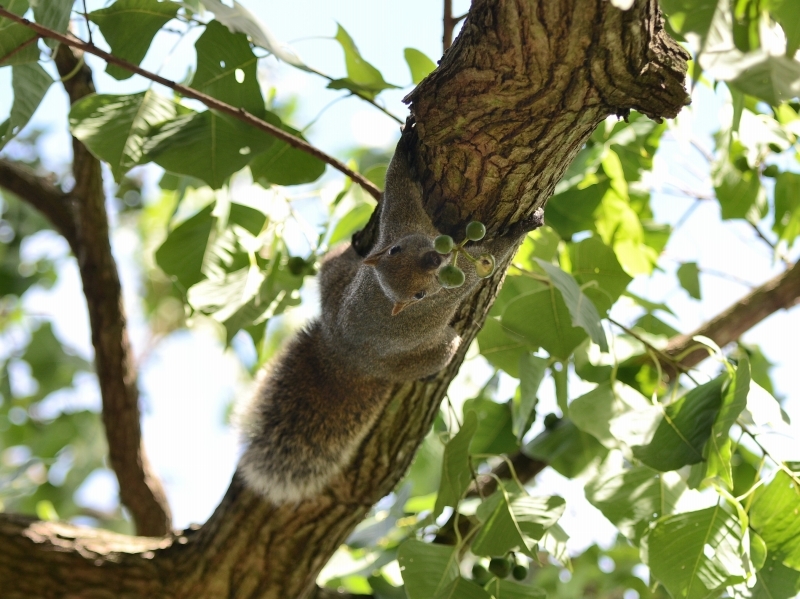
(419, 295)
(395, 250)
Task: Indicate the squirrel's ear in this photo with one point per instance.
(398, 307)
(374, 258)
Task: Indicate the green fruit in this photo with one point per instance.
(475, 231)
(480, 574)
(519, 572)
(550, 421)
(443, 244)
(484, 267)
(451, 276)
(771, 171)
(741, 163)
(775, 148)
(500, 567)
(296, 265)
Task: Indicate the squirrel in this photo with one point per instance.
(384, 319)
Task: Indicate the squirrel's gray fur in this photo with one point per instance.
(317, 400)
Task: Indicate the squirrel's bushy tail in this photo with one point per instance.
(305, 420)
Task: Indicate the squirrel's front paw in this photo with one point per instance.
(531, 222)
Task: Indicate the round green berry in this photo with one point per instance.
(443, 244)
(519, 572)
(775, 148)
(451, 276)
(480, 574)
(742, 164)
(296, 265)
(771, 171)
(484, 267)
(500, 567)
(476, 231)
(551, 421)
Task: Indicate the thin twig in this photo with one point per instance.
(238, 113)
(764, 450)
(88, 27)
(664, 356)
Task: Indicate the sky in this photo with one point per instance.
(188, 381)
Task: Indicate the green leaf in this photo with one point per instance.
(247, 297)
(238, 18)
(773, 79)
(736, 191)
(461, 588)
(596, 411)
(541, 243)
(776, 581)
(565, 448)
(500, 532)
(697, 554)
(226, 69)
(773, 515)
(501, 350)
(128, 42)
(685, 427)
(655, 326)
(690, 16)
(53, 14)
(572, 211)
(507, 589)
(281, 164)
(536, 515)
(718, 449)
(555, 543)
(594, 261)
(30, 83)
(115, 127)
(688, 275)
(583, 311)
(456, 470)
(787, 207)
(13, 36)
(361, 76)
(207, 145)
(181, 255)
(632, 497)
(551, 329)
(786, 14)
(531, 374)
(353, 221)
(494, 434)
(427, 569)
(51, 366)
(419, 64)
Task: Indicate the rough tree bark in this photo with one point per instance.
(493, 129)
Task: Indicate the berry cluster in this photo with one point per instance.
(500, 567)
(451, 276)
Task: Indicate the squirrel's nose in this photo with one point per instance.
(431, 260)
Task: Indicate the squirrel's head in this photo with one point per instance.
(407, 270)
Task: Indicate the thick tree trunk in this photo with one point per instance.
(492, 131)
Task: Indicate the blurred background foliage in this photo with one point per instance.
(231, 224)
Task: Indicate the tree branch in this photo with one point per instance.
(42, 195)
(238, 113)
(779, 293)
(140, 489)
(492, 130)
